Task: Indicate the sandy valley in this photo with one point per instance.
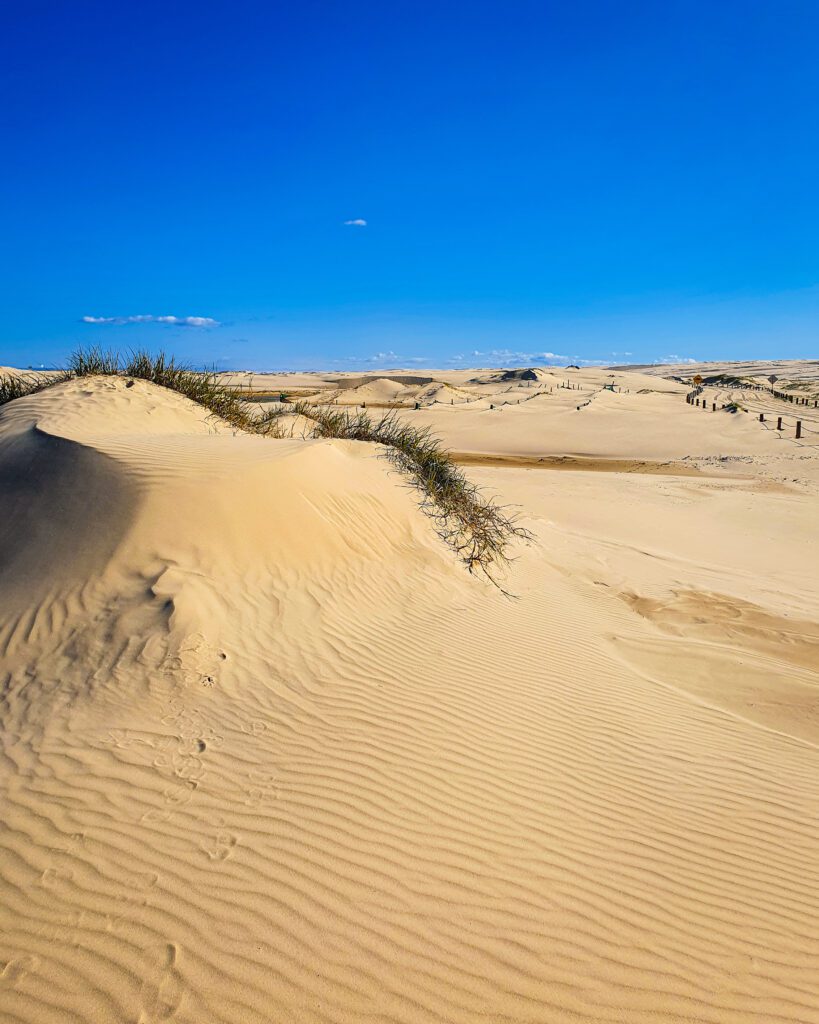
(270, 753)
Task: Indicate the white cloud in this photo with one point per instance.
(359, 222)
(147, 318)
(506, 357)
(673, 358)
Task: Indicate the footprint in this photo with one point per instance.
(178, 796)
(15, 970)
(223, 847)
(53, 875)
(161, 992)
(188, 767)
(155, 815)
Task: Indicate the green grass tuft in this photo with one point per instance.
(91, 362)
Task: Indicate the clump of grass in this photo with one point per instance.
(92, 362)
(269, 423)
(205, 388)
(476, 527)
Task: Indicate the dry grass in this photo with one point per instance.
(476, 527)
(18, 385)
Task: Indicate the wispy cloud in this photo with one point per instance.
(148, 318)
(359, 222)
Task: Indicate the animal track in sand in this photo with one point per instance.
(180, 795)
(17, 968)
(162, 992)
(189, 767)
(155, 814)
(256, 726)
(262, 788)
(222, 846)
(51, 876)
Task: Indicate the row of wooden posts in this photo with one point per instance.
(693, 400)
(796, 399)
(779, 424)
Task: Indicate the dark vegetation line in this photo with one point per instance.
(476, 527)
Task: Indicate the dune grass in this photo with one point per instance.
(204, 387)
(476, 527)
(18, 385)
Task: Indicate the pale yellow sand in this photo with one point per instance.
(269, 754)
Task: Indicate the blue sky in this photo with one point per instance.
(608, 181)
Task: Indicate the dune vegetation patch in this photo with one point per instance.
(478, 529)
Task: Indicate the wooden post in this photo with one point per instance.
(778, 422)
(713, 407)
(762, 417)
(798, 429)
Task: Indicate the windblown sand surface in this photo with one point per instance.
(270, 754)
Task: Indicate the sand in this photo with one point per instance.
(269, 752)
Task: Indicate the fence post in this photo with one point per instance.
(713, 407)
(762, 417)
(798, 429)
(778, 422)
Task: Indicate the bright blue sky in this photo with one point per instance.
(582, 178)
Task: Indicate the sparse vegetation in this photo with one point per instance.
(92, 362)
(18, 385)
(476, 527)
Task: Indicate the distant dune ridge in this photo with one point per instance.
(271, 753)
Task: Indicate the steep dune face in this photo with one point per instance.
(270, 754)
(126, 511)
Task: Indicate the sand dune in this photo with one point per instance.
(269, 753)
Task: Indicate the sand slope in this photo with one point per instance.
(270, 754)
